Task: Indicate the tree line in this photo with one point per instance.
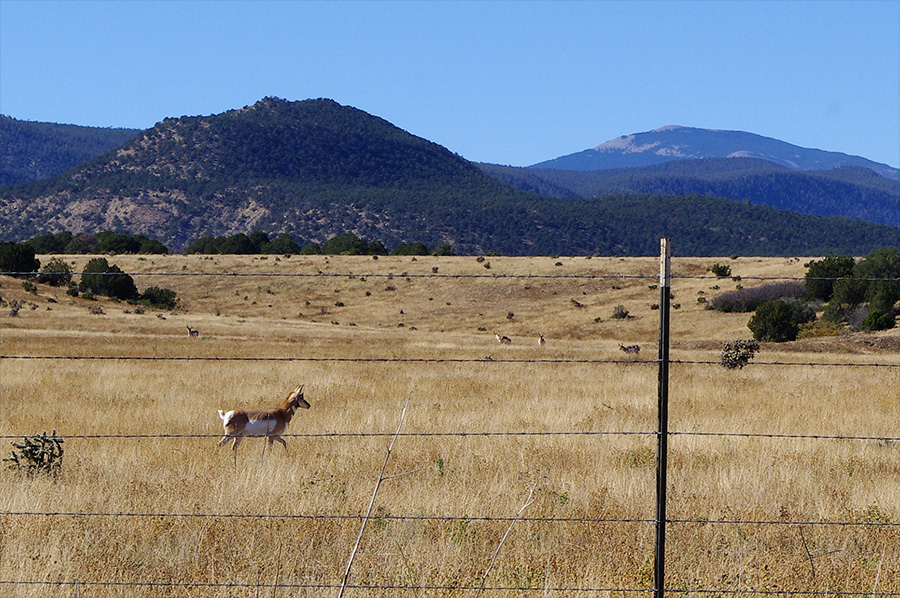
(99, 277)
(860, 295)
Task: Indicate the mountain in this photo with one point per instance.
(848, 191)
(314, 169)
(30, 151)
(679, 143)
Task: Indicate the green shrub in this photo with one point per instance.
(721, 270)
(878, 320)
(160, 298)
(102, 278)
(56, 273)
(779, 321)
(821, 275)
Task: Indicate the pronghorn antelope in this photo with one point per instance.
(193, 332)
(541, 340)
(270, 423)
(634, 349)
(503, 340)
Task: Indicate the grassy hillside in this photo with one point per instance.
(364, 335)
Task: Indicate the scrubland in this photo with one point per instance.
(570, 424)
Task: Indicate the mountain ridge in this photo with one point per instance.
(848, 191)
(313, 169)
(677, 142)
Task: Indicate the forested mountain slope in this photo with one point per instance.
(849, 191)
(30, 151)
(314, 169)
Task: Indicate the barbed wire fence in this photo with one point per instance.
(662, 434)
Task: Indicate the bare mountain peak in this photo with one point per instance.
(677, 142)
(669, 128)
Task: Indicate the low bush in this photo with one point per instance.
(878, 320)
(42, 453)
(749, 299)
(737, 354)
(56, 273)
(720, 270)
(620, 313)
(159, 298)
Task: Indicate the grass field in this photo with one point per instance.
(486, 424)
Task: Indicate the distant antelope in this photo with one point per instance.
(541, 340)
(503, 340)
(270, 423)
(632, 349)
(192, 332)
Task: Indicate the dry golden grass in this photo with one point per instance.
(469, 479)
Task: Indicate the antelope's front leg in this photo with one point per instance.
(279, 439)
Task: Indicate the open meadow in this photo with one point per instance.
(146, 504)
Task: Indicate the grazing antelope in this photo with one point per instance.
(541, 340)
(192, 332)
(632, 349)
(270, 423)
(503, 340)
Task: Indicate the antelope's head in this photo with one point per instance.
(296, 401)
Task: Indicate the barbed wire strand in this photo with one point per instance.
(325, 517)
(336, 435)
(458, 588)
(432, 360)
(273, 586)
(887, 439)
(391, 275)
(446, 518)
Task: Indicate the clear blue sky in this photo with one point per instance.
(507, 82)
